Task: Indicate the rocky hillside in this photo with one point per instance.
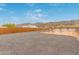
(65, 23)
(50, 24)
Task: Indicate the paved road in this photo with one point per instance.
(35, 43)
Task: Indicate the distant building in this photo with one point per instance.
(26, 26)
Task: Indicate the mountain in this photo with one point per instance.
(49, 24)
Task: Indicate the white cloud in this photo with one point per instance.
(41, 15)
(34, 15)
(35, 18)
(38, 10)
(29, 14)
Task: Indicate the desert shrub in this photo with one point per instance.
(10, 25)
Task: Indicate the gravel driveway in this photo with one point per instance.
(35, 43)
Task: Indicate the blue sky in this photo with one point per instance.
(31, 13)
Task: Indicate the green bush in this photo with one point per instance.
(10, 25)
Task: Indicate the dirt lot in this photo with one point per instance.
(35, 43)
(16, 30)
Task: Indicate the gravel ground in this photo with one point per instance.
(35, 43)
